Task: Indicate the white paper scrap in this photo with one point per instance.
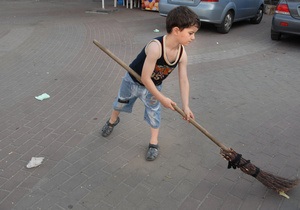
(34, 162)
(42, 97)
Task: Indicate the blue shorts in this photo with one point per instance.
(129, 92)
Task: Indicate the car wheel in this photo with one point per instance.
(275, 35)
(258, 17)
(226, 24)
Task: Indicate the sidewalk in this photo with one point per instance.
(244, 90)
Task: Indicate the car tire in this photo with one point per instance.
(258, 17)
(226, 24)
(275, 35)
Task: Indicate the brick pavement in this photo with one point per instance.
(245, 91)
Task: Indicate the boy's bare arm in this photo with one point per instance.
(184, 85)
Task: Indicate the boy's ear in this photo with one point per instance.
(176, 30)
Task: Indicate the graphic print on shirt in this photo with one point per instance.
(161, 71)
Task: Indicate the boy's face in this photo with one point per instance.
(187, 35)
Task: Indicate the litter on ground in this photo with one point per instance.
(42, 97)
(34, 162)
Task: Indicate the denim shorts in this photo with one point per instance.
(129, 92)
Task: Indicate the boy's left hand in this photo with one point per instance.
(189, 114)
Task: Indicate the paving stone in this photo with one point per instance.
(137, 195)
(201, 190)
(244, 90)
(189, 203)
(73, 183)
(211, 202)
(232, 202)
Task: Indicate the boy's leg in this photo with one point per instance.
(152, 117)
(114, 116)
(154, 136)
(123, 102)
(152, 152)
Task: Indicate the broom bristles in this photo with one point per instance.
(271, 181)
(277, 183)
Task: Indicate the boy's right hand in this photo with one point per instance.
(168, 103)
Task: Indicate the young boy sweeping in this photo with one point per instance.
(154, 63)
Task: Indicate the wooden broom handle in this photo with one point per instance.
(180, 111)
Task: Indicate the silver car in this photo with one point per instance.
(286, 19)
(221, 13)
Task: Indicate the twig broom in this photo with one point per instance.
(235, 160)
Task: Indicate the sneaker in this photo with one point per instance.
(108, 127)
(152, 152)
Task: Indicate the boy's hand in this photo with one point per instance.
(189, 114)
(168, 103)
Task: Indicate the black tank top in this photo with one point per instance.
(162, 67)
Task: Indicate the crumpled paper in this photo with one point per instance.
(34, 162)
(42, 97)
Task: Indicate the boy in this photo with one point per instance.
(154, 63)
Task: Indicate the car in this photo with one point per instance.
(286, 19)
(221, 13)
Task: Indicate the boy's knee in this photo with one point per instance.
(120, 104)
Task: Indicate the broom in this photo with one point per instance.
(235, 160)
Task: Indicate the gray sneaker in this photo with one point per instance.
(152, 152)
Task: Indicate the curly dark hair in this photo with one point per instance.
(181, 17)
